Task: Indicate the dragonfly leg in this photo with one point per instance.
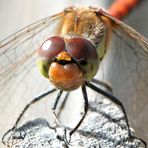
(104, 84)
(63, 104)
(113, 99)
(116, 101)
(55, 106)
(56, 116)
(36, 99)
(86, 107)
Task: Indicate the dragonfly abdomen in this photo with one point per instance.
(120, 8)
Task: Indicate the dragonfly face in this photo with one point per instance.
(68, 63)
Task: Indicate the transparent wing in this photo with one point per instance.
(19, 77)
(16, 49)
(127, 71)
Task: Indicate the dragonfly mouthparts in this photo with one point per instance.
(63, 62)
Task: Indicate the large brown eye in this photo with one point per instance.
(51, 47)
(84, 52)
(81, 49)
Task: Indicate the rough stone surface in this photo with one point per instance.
(103, 127)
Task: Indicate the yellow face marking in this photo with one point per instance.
(64, 56)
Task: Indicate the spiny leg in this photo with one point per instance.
(63, 104)
(102, 83)
(81, 120)
(36, 99)
(116, 101)
(113, 98)
(56, 118)
(55, 106)
(86, 107)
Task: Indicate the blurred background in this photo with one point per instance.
(17, 14)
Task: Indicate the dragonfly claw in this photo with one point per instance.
(66, 137)
(12, 136)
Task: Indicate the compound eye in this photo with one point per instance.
(51, 47)
(81, 49)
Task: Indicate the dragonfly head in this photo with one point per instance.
(64, 73)
(67, 63)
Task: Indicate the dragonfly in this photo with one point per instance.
(71, 54)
